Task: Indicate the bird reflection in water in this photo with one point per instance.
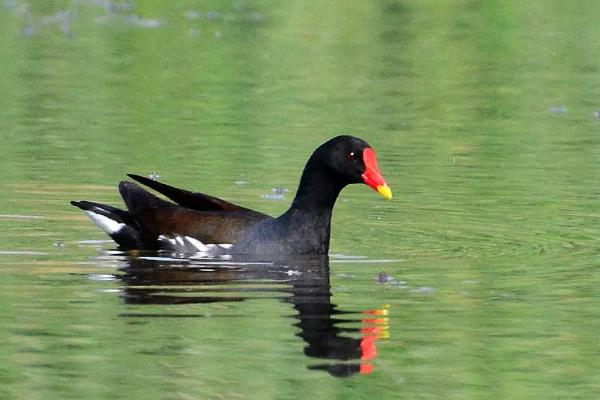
(341, 351)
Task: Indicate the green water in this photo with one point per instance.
(483, 118)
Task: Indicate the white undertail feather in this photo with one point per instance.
(108, 225)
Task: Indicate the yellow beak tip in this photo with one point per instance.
(385, 191)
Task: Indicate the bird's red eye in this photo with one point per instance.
(350, 156)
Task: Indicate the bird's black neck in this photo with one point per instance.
(312, 208)
(317, 190)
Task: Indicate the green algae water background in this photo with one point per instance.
(485, 119)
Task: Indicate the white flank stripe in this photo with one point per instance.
(196, 243)
(106, 224)
(187, 244)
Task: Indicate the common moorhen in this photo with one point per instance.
(196, 219)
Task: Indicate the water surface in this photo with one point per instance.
(479, 280)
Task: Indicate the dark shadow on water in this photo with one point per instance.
(341, 350)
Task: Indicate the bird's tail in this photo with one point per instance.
(120, 225)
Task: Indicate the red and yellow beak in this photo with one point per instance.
(372, 177)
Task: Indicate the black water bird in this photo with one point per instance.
(201, 222)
